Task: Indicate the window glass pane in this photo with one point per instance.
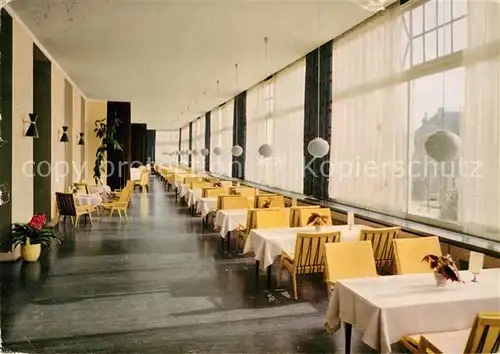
(459, 35)
(418, 50)
(417, 21)
(459, 8)
(430, 15)
(446, 7)
(440, 11)
(436, 103)
(447, 39)
(430, 46)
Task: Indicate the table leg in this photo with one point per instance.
(257, 266)
(348, 333)
(269, 275)
(228, 235)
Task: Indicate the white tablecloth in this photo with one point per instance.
(183, 189)
(387, 308)
(88, 199)
(99, 189)
(206, 205)
(228, 220)
(268, 243)
(135, 174)
(192, 197)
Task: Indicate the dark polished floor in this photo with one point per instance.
(156, 284)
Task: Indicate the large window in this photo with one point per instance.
(167, 143)
(275, 115)
(198, 160)
(221, 137)
(185, 145)
(414, 74)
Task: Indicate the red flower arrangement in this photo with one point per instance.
(33, 232)
(443, 266)
(37, 221)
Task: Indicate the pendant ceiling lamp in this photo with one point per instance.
(318, 147)
(80, 140)
(217, 151)
(442, 145)
(205, 152)
(32, 131)
(194, 152)
(373, 5)
(265, 150)
(236, 150)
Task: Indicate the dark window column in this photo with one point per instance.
(139, 144)
(118, 166)
(180, 146)
(207, 141)
(239, 134)
(316, 183)
(190, 157)
(42, 146)
(151, 145)
(6, 128)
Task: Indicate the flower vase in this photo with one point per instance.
(440, 279)
(29, 252)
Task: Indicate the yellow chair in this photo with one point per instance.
(199, 185)
(308, 256)
(382, 243)
(408, 254)
(120, 205)
(345, 260)
(81, 187)
(272, 218)
(274, 200)
(66, 206)
(232, 202)
(143, 183)
(244, 191)
(295, 213)
(483, 337)
(305, 214)
(117, 192)
(188, 179)
(243, 231)
(212, 192)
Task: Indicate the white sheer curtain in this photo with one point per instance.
(184, 145)
(275, 115)
(258, 109)
(369, 118)
(288, 127)
(167, 142)
(198, 160)
(479, 180)
(221, 135)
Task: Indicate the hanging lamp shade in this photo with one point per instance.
(443, 145)
(195, 152)
(205, 152)
(318, 147)
(81, 141)
(265, 151)
(236, 150)
(32, 130)
(64, 136)
(217, 151)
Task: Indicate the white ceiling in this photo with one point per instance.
(165, 56)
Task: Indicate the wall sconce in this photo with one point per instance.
(81, 141)
(32, 131)
(64, 136)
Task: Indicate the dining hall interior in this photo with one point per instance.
(250, 176)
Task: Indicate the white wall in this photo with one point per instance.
(22, 105)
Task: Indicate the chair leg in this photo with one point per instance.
(120, 214)
(294, 285)
(72, 220)
(125, 212)
(77, 221)
(90, 218)
(280, 274)
(111, 213)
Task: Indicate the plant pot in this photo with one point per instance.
(31, 253)
(440, 279)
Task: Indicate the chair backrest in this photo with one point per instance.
(275, 200)
(295, 213)
(309, 254)
(345, 260)
(408, 254)
(251, 222)
(272, 218)
(126, 194)
(244, 191)
(485, 334)
(144, 178)
(188, 180)
(199, 185)
(66, 204)
(81, 187)
(212, 192)
(305, 214)
(232, 202)
(382, 243)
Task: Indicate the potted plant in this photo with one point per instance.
(106, 133)
(267, 204)
(317, 221)
(31, 236)
(444, 269)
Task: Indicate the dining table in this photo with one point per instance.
(386, 308)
